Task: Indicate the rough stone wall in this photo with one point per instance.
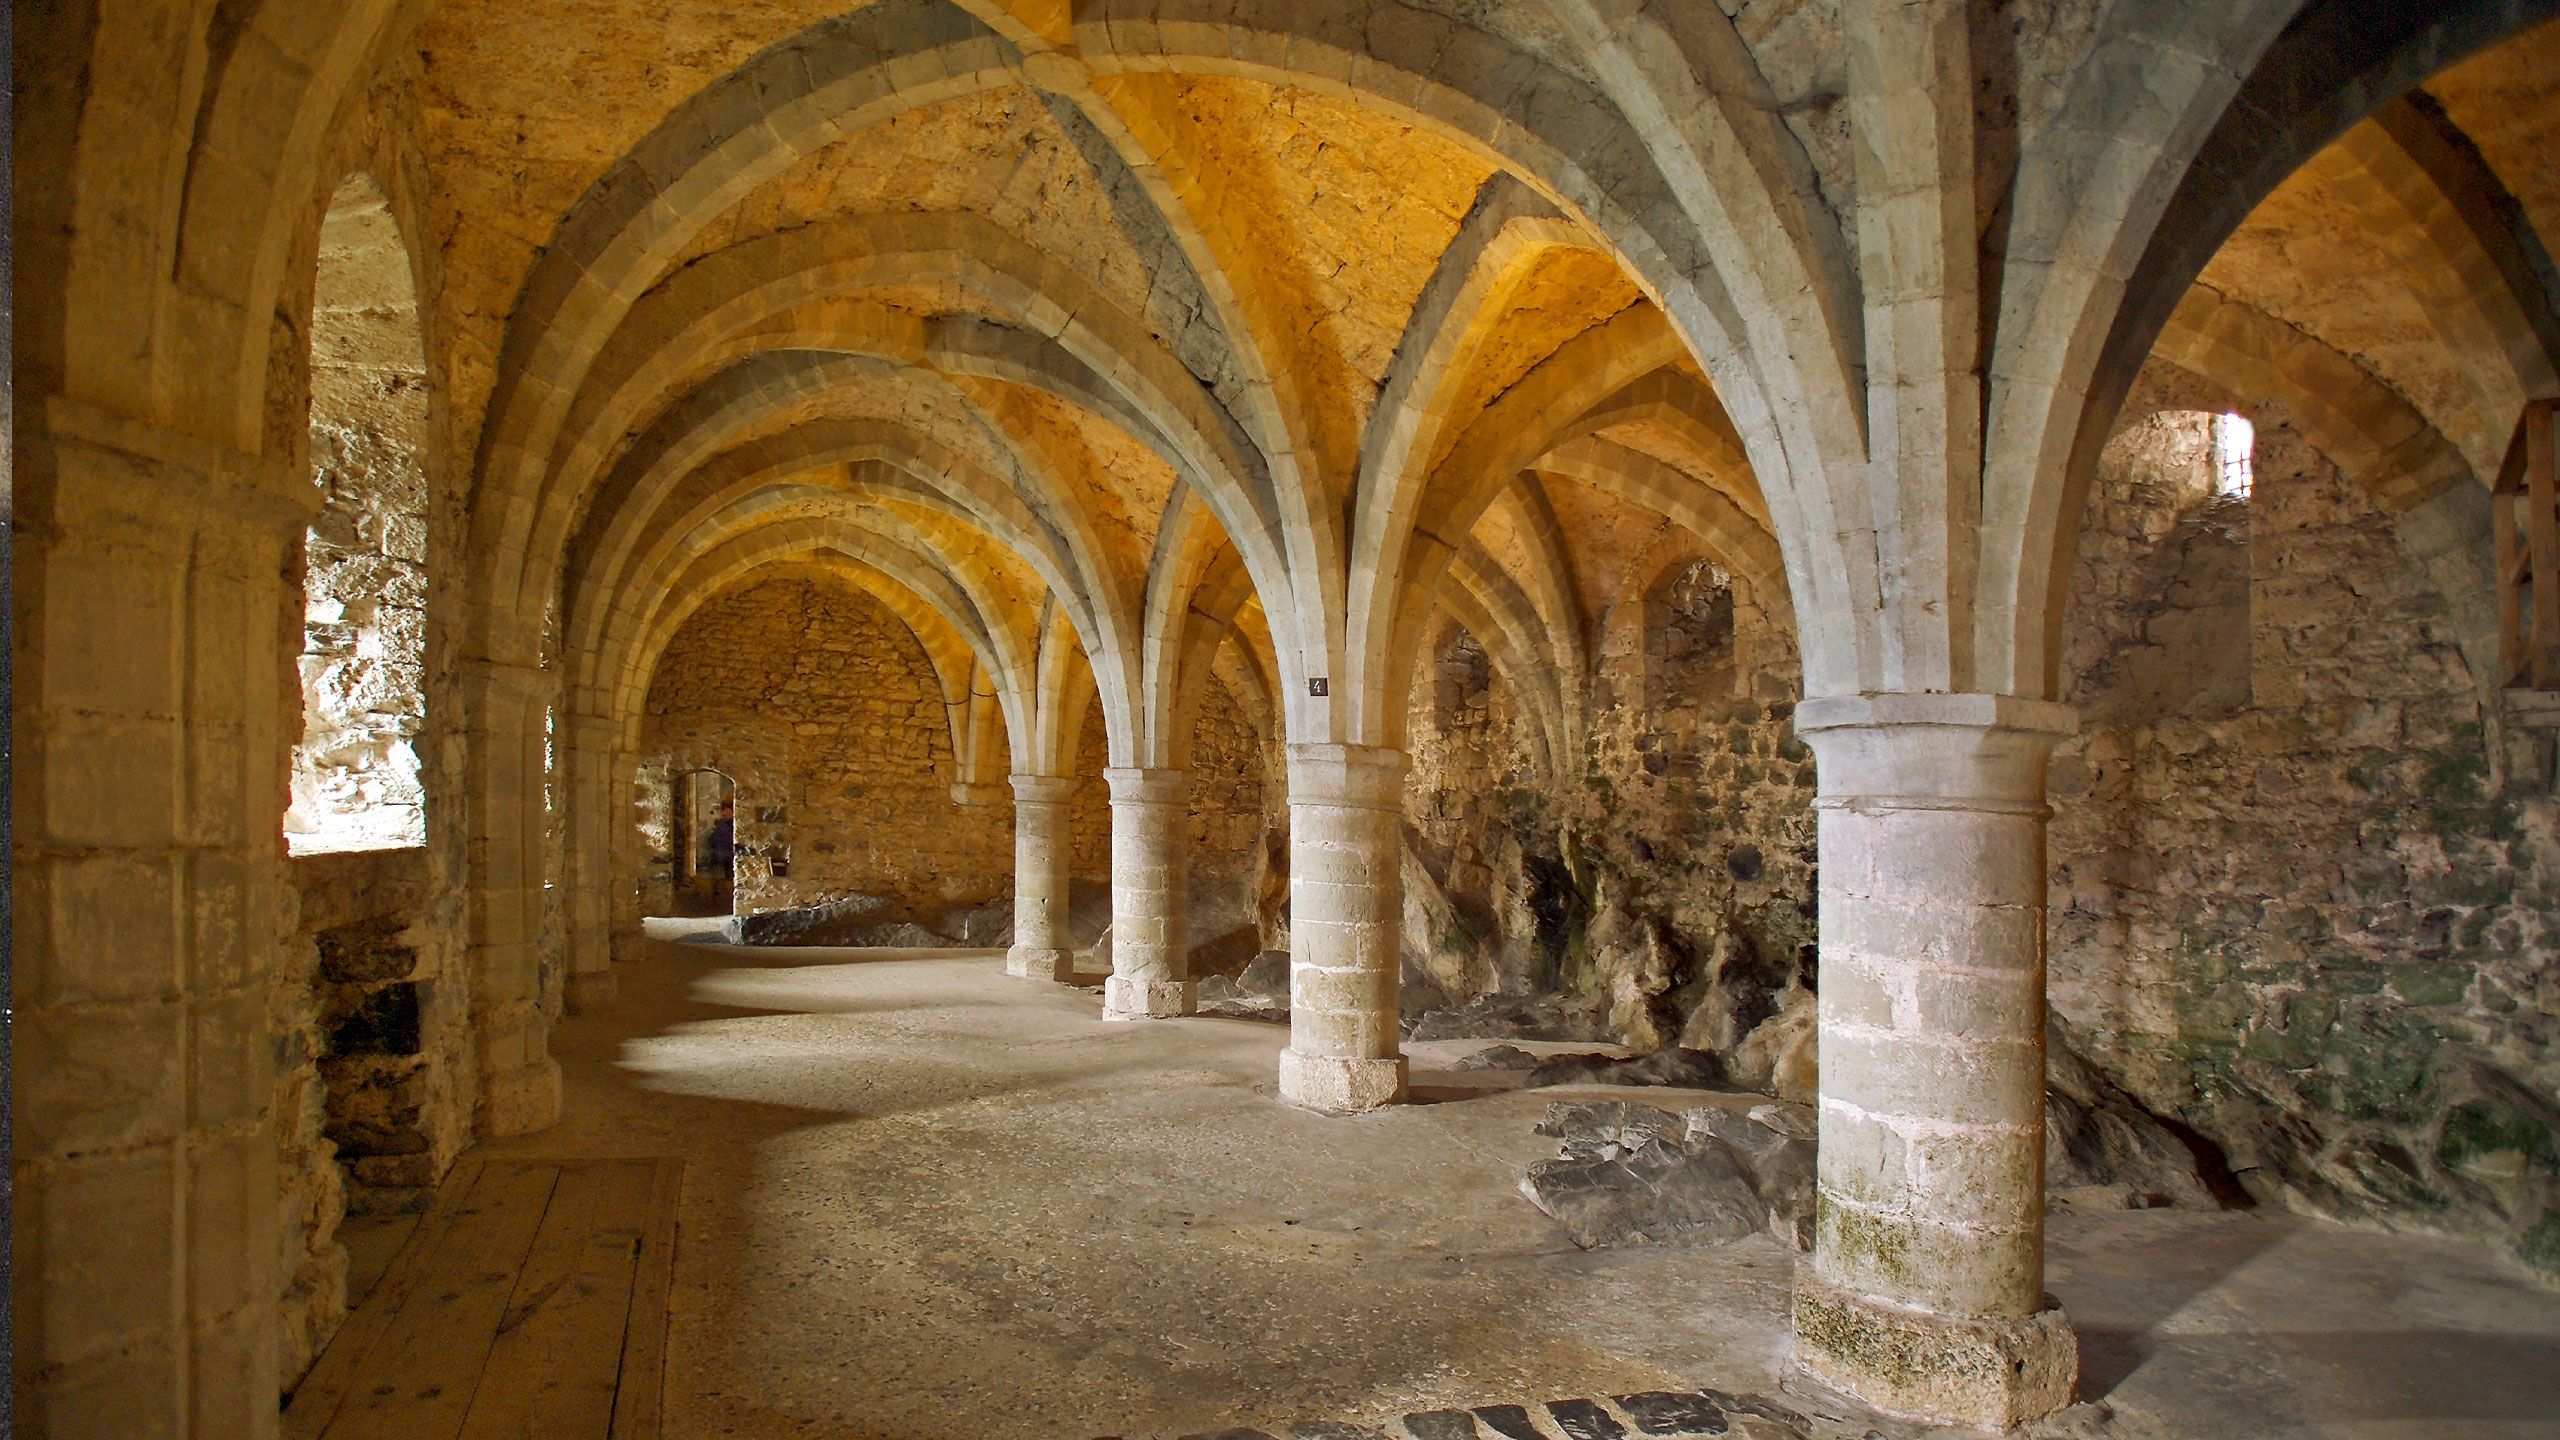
(1231, 864)
(1089, 813)
(823, 707)
(2309, 900)
(373, 1065)
(1668, 886)
(311, 1191)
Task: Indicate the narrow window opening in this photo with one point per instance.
(2233, 439)
(356, 783)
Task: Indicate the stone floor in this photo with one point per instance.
(929, 1202)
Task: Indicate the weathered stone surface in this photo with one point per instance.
(2103, 1148)
(1632, 1175)
(1663, 888)
(1514, 1017)
(2314, 925)
(1501, 1057)
(1689, 1069)
(459, 385)
(357, 775)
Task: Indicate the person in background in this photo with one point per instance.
(720, 846)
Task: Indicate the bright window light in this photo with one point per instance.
(2233, 436)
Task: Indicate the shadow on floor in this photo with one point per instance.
(2127, 1334)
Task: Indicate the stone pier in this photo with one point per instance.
(1925, 1297)
(1150, 896)
(1346, 908)
(1042, 948)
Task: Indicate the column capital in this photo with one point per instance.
(159, 472)
(1933, 752)
(1042, 789)
(1362, 777)
(1131, 785)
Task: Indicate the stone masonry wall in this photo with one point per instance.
(1236, 839)
(821, 704)
(2306, 887)
(373, 1061)
(822, 708)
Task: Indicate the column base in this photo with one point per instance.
(1945, 1370)
(1339, 1084)
(590, 992)
(1127, 999)
(1039, 962)
(520, 1101)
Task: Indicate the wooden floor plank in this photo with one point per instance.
(644, 1354)
(557, 1356)
(416, 1380)
(317, 1399)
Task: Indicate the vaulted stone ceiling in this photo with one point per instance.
(899, 296)
(868, 290)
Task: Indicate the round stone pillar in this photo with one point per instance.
(1150, 896)
(1041, 948)
(1925, 1297)
(1346, 922)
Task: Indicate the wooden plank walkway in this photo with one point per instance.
(530, 1302)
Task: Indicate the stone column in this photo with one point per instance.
(1346, 921)
(628, 860)
(589, 766)
(153, 687)
(519, 1081)
(1925, 1297)
(1041, 947)
(1150, 896)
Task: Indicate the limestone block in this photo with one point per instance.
(1340, 1084)
(590, 992)
(123, 1208)
(521, 1099)
(1034, 962)
(1989, 1373)
(1127, 998)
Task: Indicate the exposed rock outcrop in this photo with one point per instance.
(1635, 1175)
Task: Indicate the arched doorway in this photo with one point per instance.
(706, 843)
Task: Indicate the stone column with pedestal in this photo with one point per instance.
(589, 764)
(1925, 1296)
(1346, 922)
(504, 738)
(1042, 949)
(1150, 896)
(154, 680)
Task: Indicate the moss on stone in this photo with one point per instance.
(2478, 1135)
(2539, 1247)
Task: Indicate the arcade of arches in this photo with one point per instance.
(1884, 552)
